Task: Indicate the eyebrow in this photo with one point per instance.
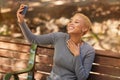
(78, 19)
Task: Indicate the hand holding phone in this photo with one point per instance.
(21, 12)
(24, 10)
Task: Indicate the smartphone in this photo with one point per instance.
(24, 10)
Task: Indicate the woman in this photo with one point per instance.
(73, 57)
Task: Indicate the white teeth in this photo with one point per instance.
(71, 27)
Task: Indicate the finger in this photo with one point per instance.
(68, 46)
(72, 43)
(22, 5)
(68, 43)
(20, 10)
(78, 45)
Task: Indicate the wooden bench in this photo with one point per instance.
(105, 67)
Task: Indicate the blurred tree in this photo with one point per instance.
(1, 18)
(104, 15)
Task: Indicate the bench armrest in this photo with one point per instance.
(29, 69)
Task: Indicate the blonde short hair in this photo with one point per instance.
(88, 23)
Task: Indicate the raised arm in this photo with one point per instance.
(41, 39)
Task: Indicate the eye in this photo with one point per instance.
(76, 22)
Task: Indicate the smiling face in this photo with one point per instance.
(77, 25)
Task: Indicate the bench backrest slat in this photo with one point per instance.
(106, 70)
(107, 61)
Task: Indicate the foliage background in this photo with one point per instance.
(45, 16)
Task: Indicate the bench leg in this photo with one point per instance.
(16, 77)
(31, 75)
(7, 76)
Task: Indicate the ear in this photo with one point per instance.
(84, 29)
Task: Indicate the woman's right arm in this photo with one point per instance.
(41, 39)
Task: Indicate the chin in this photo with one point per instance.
(70, 32)
(73, 32)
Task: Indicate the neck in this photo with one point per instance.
(76, 39)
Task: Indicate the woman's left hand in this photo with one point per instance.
(75, 49)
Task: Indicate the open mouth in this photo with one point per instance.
(71, 27)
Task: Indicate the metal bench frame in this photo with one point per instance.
(29, 69)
